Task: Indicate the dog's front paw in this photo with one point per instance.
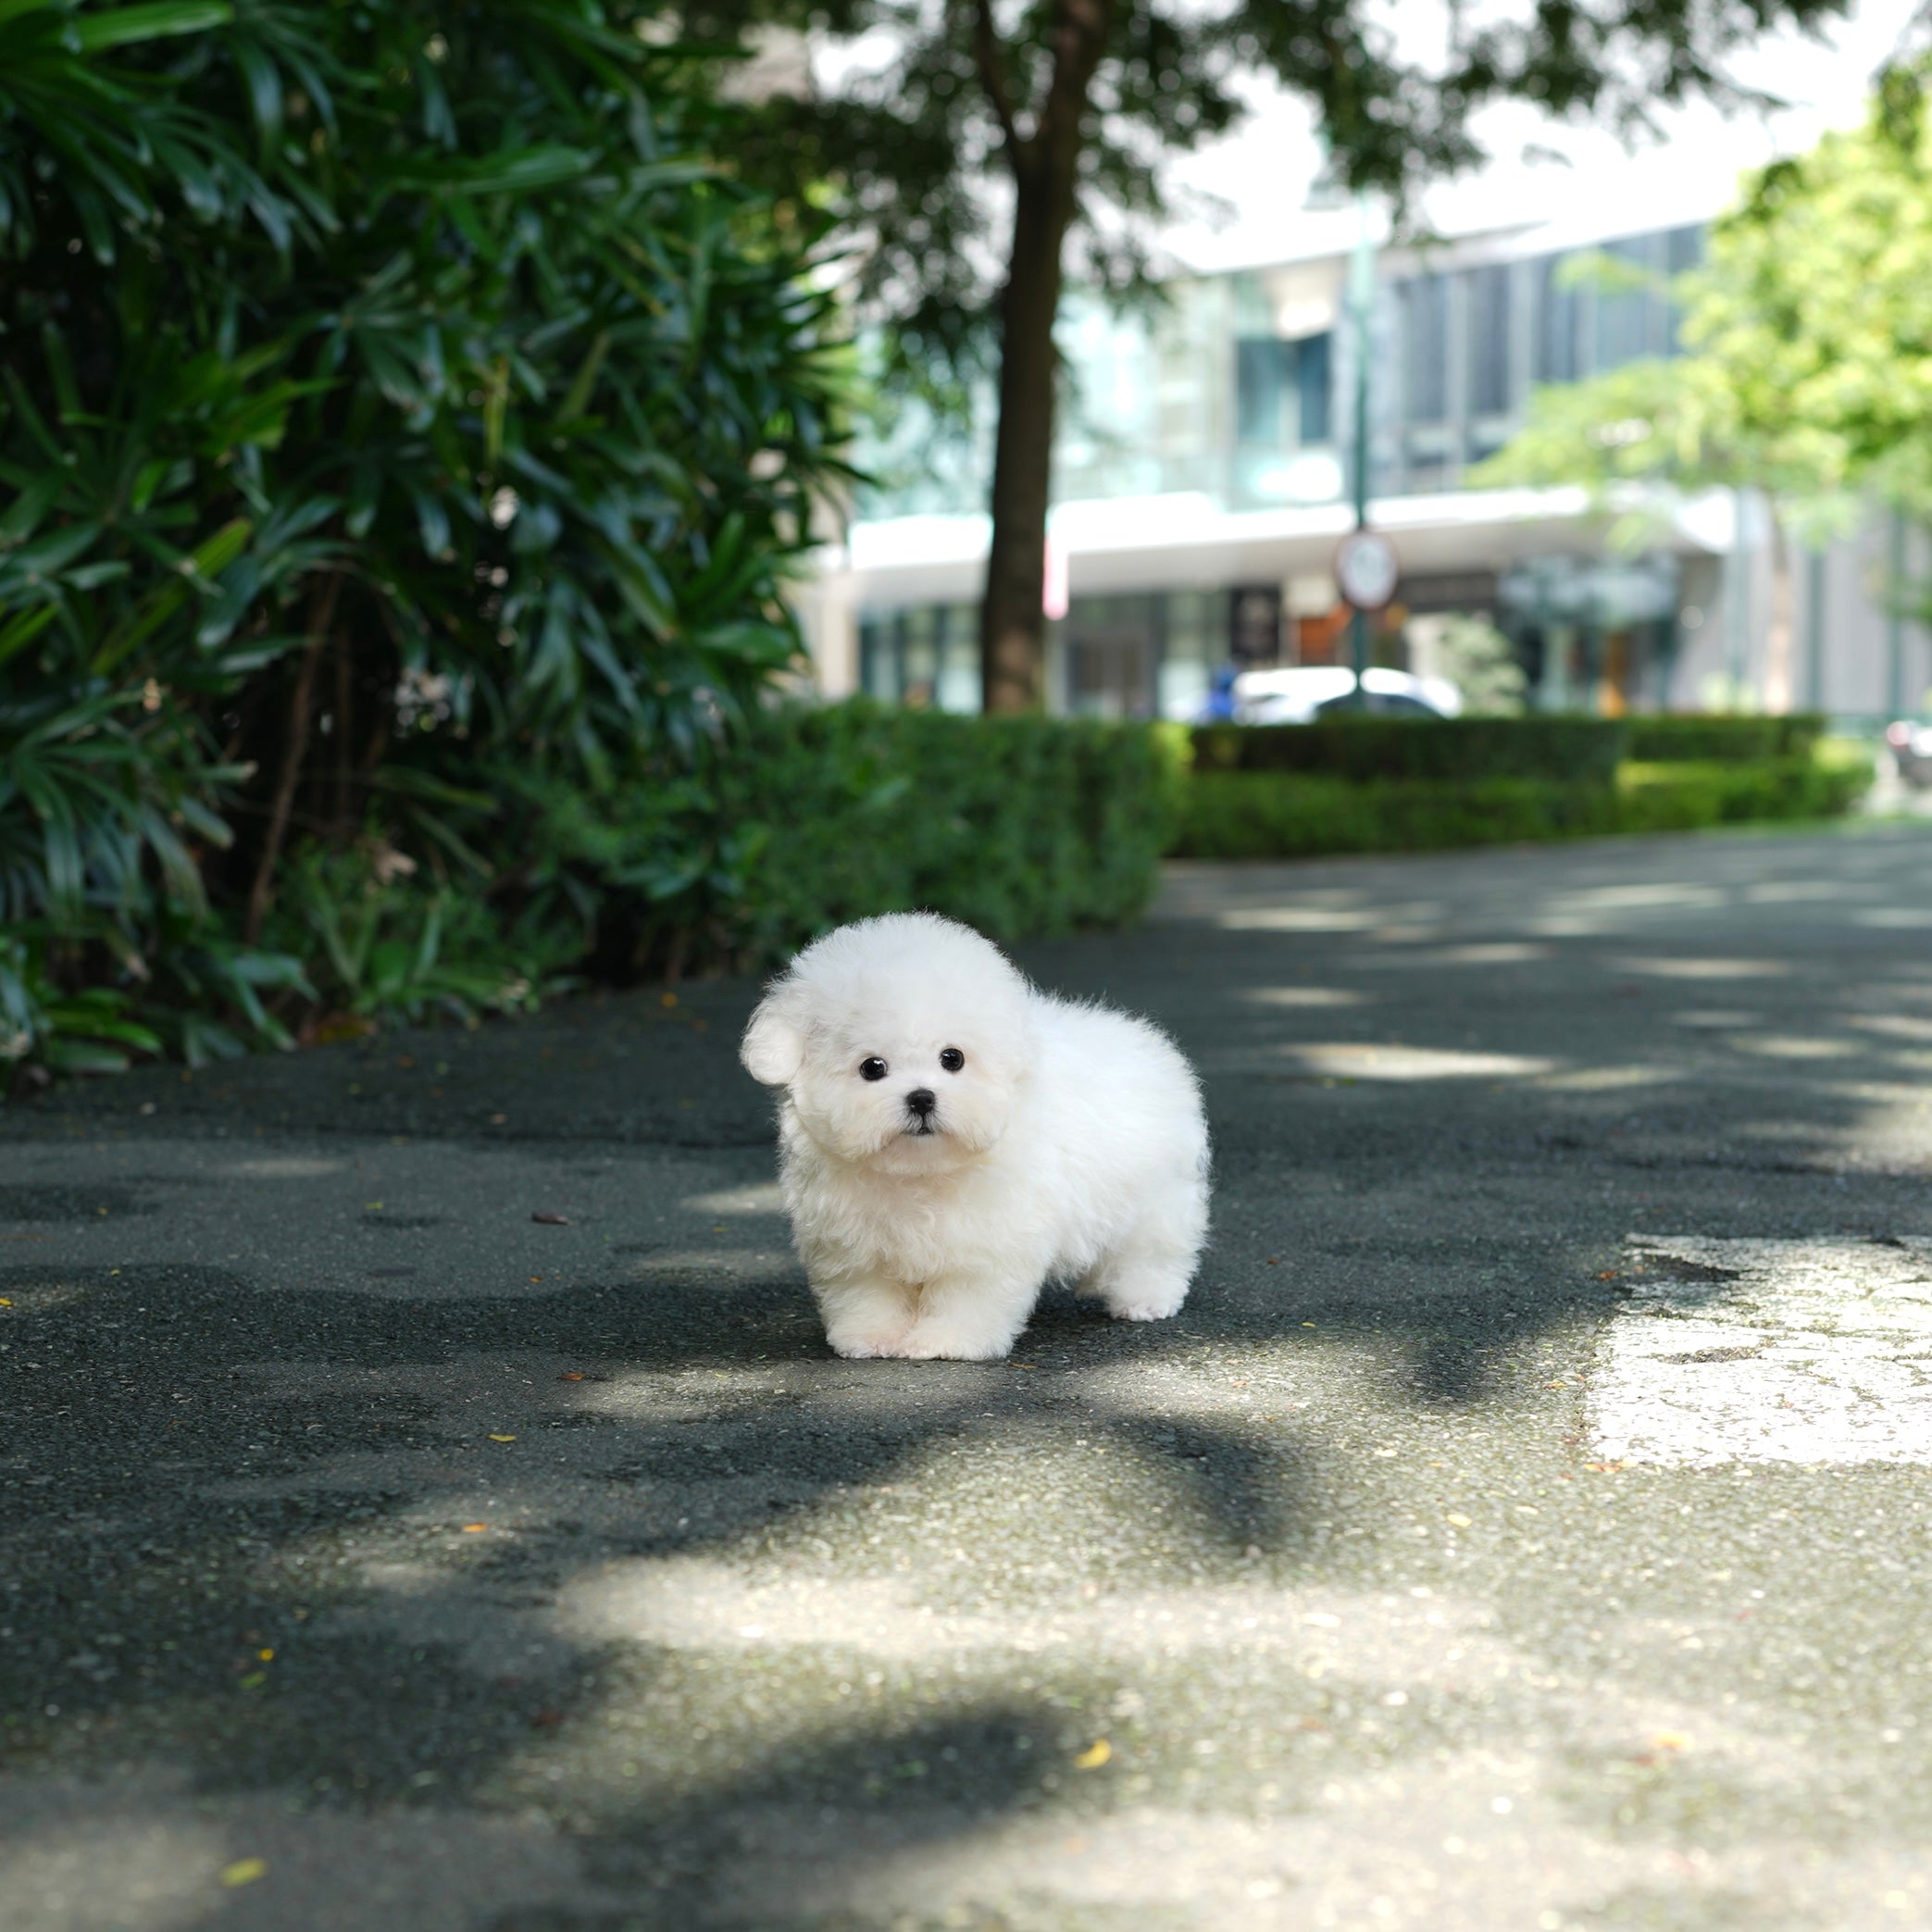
(945, 1341)
(1148, 1309)
(868, 1345)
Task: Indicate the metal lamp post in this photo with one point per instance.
(1362, 288)
(1365, 567)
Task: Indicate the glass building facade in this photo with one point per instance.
(1237, 389)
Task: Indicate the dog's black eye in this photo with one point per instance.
(952, 1059)
(872, 1070)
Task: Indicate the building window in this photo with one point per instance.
(926, 657)
(1424, 311)
(1625, 303)
(1281, 392)
(1192, 647)
(1113, 649)
(1314, 375)
(1489, 341)
(1558, 314)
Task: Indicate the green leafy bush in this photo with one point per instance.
(390, 397)
(1567, 750)
(1020, 826)
(1275, 815)
(390, 944)
(813, 815)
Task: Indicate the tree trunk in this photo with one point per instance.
(1045, 168)
(1012, 621)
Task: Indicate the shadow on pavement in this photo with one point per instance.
(231, 1534)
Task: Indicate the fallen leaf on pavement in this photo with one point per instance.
(571, 1375)
(244, 1871)
(502, 1439)
(1094, 1756)
(1461, 1522)
(549, 1219)
(474, 1529)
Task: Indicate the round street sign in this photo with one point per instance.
(1366, 570)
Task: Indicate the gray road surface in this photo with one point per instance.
(374, 1555)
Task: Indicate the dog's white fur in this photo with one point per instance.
(1070, 1145)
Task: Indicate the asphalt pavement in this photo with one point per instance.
(427, 1500)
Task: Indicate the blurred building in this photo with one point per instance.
(1202, 477)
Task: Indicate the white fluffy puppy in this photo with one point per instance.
(952, 1138)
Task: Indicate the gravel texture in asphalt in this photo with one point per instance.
(376, 1552)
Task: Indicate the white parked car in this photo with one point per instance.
(1299, 695)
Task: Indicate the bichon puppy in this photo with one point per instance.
(952, 1138)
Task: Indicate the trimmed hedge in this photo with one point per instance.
(1366, 749)
(1667, 740)
(1237, 815)
(1825, 784)
(1020, 826)
(1564, 748)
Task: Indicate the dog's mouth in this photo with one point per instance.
(921, 1128)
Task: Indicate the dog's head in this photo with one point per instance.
(901, 1040)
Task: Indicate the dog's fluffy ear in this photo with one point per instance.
(774, 1045)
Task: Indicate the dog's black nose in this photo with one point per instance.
(922, 1101)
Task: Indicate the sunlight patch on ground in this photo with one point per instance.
(1663, 968)
(764, 1198)
(1797, 1046)
(1893, 1025)
(1298, 918)
(1815, 1352)
(1356, 1060)
(686, 1263)
(287, 1168)
(1301, 996)
(113, 1871)
(1894, 918)
(1499, 952)
(1609, 1079)
(694, 1602)
(1800, 891)
(42, 1297)
(1661, 892)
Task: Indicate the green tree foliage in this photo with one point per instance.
(1806, 373)
(1481, 663)
(996, 140)
(403, 417)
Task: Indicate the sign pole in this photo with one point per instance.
(1361, 293)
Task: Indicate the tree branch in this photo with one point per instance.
(993, 77)
(322, 614)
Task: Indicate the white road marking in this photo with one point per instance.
(1768, 1352)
